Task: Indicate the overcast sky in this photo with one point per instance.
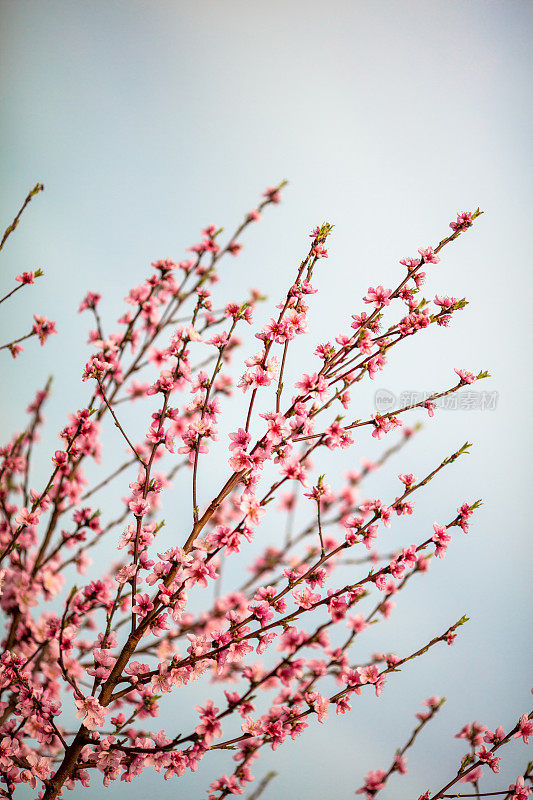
(148, 120)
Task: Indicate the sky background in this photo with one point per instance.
(148, 120)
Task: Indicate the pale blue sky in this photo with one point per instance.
(148, 120)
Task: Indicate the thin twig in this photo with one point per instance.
(36, 189)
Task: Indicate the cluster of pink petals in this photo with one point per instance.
(43, 328)
(154, 588)
(379, 296)
(26, 277)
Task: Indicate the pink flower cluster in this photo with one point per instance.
(148, 625)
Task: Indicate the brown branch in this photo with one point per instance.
(9, 230)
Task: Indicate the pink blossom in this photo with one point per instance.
(428, 255)
(319, 251)
(234, 248)
(494, 737)
(466, 377)
(90, 711)
(209, 727)
(139, 506)
(472, 776)
(357, 623)
(251, 726)
(519, 789)
(143, 605)
(26, 277)
(464, 221)
(60, 458)
(40, 769)
(441, 539)
(272, 194)
(379, 296)
(383, 425)
(373, 783)
(26, 517)
(90, 300)
(319, 703)
(445, 302)
(15, 349)
(240, 461)
(43, 328)
(411, 263)
(473, 732)
(400, 764)
(430, 407)
(315, 385)
(241, 439)
(305, 598)
(488, 758)
(252, 509)
(277, 427)
(337, 608)
(525, 729)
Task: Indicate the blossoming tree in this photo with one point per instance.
(105, 654)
